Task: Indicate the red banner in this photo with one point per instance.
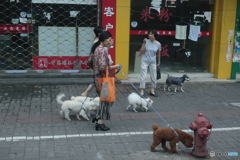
(164, 33)
(15, 28)
(109, 22)
(56, 62)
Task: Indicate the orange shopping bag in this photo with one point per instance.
(107, 88)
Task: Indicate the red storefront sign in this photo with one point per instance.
(15, 28)
(57, 62)
(164, 33)
(109, 22)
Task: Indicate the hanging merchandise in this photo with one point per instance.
(23, 14)
(47, 15)
(181, 32)
(184, 50)
(22, 20)
(188, 53)
(74, 13)
(171, 3)
(208, 16)
(155, 4)
(194, 32)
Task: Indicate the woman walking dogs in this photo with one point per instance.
(150, 50)
(100, 63)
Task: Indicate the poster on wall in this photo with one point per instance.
(229, 45)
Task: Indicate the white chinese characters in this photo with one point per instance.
(108, 11)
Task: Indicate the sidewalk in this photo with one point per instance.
(31, 127)
(68, 77)
(195, 77)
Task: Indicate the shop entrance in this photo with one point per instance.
(177, 54)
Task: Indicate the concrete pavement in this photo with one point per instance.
(68, 77)
(31, 127)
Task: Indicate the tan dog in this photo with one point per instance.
(161, 135)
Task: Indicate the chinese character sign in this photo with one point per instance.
(145, 15)
(56, 62)
(15, 28)
(164, 51)
(109, 21)
(163, 16)
(108, 11)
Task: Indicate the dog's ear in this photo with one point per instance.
(150, 101)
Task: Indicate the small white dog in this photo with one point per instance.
(78, 108)
(135, 100)
(96, 100)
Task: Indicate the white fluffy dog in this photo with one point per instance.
(78, 108)
(96, 100)
(135, 100)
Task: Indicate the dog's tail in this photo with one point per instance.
(155, 127)
(59, 98)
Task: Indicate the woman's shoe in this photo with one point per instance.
(101, 127)
(154, 95)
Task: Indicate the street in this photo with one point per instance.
(32, 128)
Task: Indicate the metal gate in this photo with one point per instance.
(46, 34)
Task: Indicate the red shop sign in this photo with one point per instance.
(109, 22)
(58, 62)
(164, 33)
(15, 28)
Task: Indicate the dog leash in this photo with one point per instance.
(150, 105)
(83, 108)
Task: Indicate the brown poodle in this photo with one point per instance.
(161, 135)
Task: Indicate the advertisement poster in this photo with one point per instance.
(229, 46)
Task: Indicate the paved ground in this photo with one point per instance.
(31, 127)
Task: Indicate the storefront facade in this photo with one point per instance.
(213, 50)
(46, 34)
(236, 50)
(181, 52)
(52, 34)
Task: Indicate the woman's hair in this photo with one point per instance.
(154, 32)
(103, 36)
(97, 30)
